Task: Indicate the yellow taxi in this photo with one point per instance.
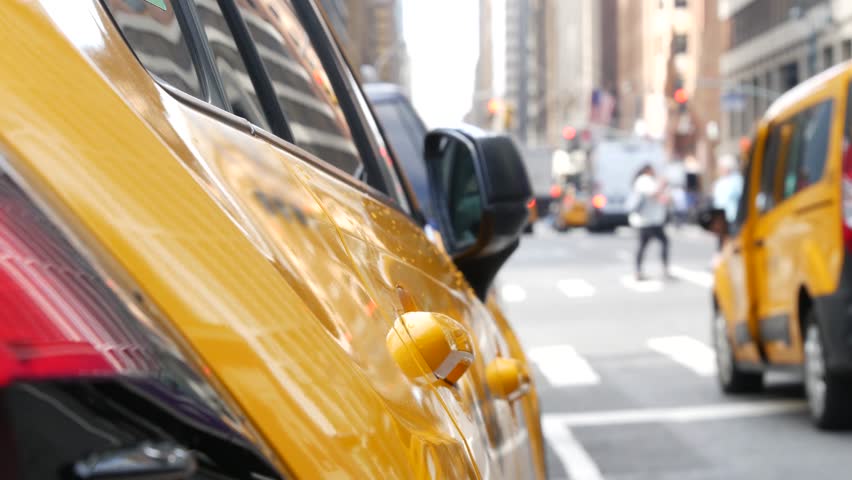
(215, 268)
(571, 209)
(783, 286)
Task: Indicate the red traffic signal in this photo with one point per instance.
(680, 96)
(569, 133)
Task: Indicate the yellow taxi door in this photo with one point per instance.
(773, 255)
(335, 402)
(734, 279)
(791, 201)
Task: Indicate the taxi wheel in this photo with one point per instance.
(829, 396)
(731, 378)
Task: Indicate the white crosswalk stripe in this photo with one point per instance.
(688, 352)
(511, 293)
(576, 288)
(645, 286)
(562, 366)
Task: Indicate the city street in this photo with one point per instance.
(625, 370)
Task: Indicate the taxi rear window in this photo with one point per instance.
(153, 31)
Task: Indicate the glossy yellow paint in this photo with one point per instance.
(285, 281)
(796, 246)
(572, 211)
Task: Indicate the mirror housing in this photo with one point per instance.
(714, 221)
(480, 189)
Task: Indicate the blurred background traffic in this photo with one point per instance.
(592, 91)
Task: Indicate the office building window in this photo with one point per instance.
(680, 43)
(847, 49)
(681, 3)
(789, 76)
(827, 57)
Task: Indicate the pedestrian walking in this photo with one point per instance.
(728, 187)
(649, 207)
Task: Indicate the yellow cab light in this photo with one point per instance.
(507, 378)
(430, 344)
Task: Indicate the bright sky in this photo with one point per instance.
(442, 37)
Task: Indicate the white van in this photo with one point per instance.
(613, 168)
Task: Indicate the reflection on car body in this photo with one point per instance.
(264, 234)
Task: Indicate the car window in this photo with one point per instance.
(155, 35)
(241, 97)
(767, 195)
(743, 204)
(406, 134)
(808, 149)
(300, 83)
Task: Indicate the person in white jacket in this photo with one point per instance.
(650, 207)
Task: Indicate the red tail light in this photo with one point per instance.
(846, 185)
(57, 318)
(555, 191)
(531, 204)
(599, 201)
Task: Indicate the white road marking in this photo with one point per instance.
(563, 366)
(575, 288)
(646, 286)
(574, 458)
(511, 293)
(697, 413)
(702, 279)
(688, 352)
(623, 255)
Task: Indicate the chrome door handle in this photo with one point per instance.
(149, 460)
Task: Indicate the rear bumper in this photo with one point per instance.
(835, 316)
(603, 219)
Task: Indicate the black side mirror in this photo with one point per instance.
(480, 189)
(713, 220)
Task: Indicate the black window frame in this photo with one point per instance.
(769, 168)
(215, 103)
(343, 79)
(207, 85)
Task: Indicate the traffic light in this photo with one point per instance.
(495, 106)
(680, 96)
(569, 133)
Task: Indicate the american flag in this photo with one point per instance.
(603, 104)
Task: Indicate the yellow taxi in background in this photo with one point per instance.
(570, 209)
(783, 287)
(216, 269)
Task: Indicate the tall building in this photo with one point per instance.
(774, 45)
(553, 65)
(667, 53)
(483, 90)
(370, 32)
(525, 61)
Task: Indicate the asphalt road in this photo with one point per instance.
(625, 370)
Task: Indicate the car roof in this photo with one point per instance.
(805, 89)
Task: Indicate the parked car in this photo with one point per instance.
(782, 290)
(212, 267)
(570, 207)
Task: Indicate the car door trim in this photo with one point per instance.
(244, 125)
(775, 328)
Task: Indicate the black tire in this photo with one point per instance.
(528, 228)
(732, 379)
(831, 408)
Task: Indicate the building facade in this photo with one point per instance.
(370, 31)
(668, 54)
(774, 45)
